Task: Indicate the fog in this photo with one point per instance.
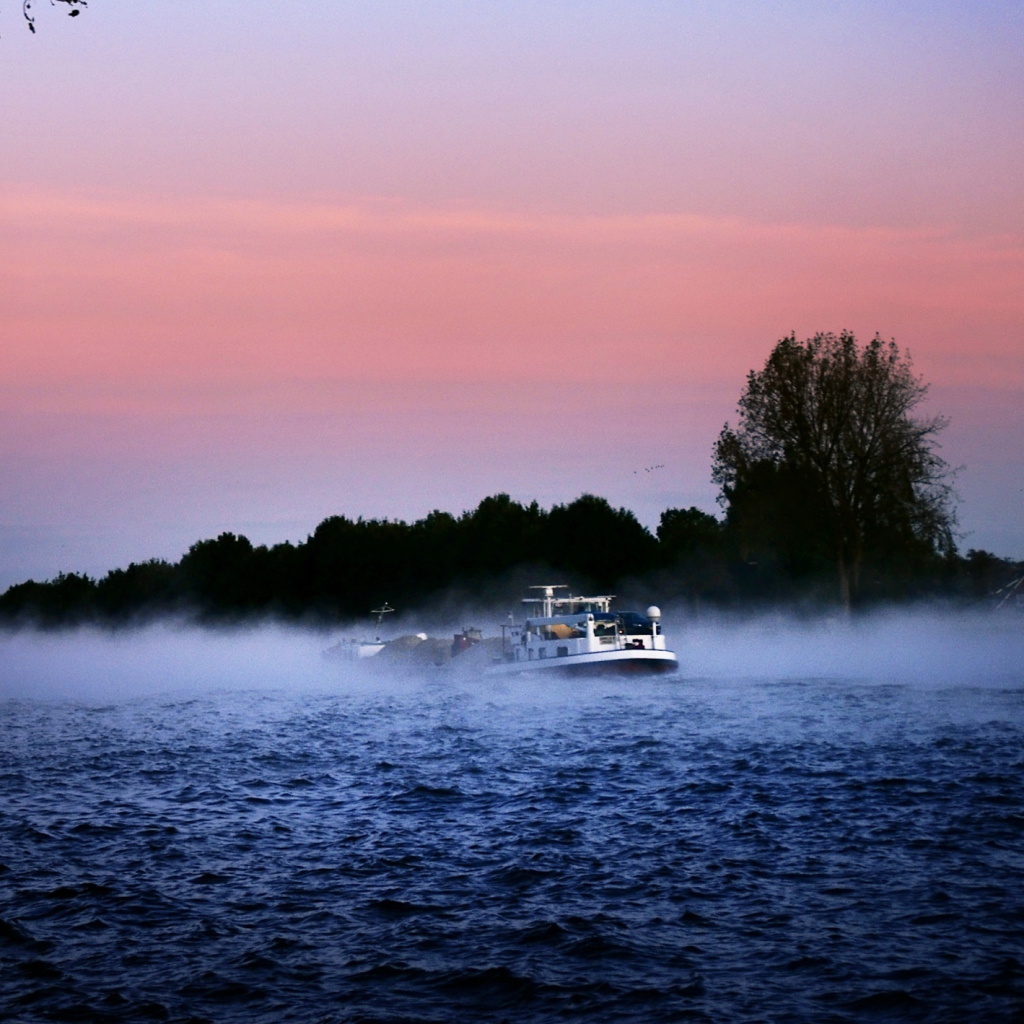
(162, 658)
(922, 648)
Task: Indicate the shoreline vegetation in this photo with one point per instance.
(489, 555)
(832, 485)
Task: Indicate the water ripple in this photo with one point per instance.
(807, 851)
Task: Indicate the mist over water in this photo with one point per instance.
(171, 657)
(818, 820)
(920, 647)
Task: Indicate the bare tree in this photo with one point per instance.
(27, 9)
(828, 428)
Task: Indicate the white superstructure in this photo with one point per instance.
(584, 634)
(354, 650)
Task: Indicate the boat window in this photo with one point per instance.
(635, 624)
(560, 631)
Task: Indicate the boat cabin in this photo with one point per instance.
(570, 626)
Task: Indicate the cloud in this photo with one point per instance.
(126, 287)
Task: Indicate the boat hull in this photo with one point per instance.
(354, 650)
(623, 662)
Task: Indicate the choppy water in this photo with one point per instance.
(715, 849)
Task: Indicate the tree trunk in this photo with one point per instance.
(855, 566)
(844, 581)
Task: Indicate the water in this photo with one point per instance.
(284, 844)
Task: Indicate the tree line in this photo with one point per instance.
(488, 554)
(832, 487)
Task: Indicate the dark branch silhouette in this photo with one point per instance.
(28, 10)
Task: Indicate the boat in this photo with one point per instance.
(582, 635)
(355, 650)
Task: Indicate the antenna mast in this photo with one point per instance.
(380, 612)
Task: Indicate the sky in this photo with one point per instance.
(264, 263)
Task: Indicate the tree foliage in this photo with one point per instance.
(487, 554)
(830, 464)
(347, 566)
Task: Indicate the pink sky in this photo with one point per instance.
(448, 254)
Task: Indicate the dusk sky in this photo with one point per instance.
(264, 263)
